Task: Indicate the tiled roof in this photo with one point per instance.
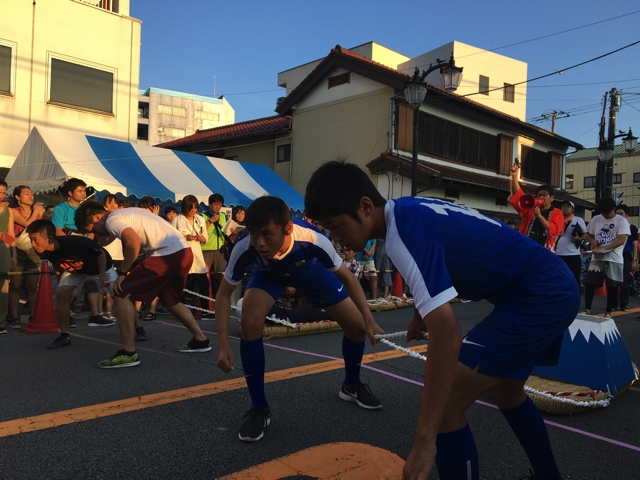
(250, 128)
(397, 80)
(592, 153)
(433, 172)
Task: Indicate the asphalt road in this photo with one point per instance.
(177, 415)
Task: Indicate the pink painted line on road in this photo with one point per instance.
(415, 382)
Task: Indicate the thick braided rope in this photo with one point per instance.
(411, 353)
(271, 318)
(596, 404)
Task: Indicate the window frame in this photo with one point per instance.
(634, 211)
(568, 176)
(83, 63)
(485, 90)
(617, 176)
(283, 148)
(12, 68)
(592, 182)
(509, 93)
(636, 177)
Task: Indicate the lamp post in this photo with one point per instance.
(415, 91)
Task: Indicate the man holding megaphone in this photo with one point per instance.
(540, 220)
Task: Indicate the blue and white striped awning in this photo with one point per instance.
(51, 156)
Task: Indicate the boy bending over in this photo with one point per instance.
(163, 273)
(285, 254)
(535, 296)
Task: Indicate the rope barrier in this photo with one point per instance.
(555, 398)
(411, 353)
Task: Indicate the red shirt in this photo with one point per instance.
(556, 221)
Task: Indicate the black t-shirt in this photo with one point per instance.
(78, 255)
(537, 232)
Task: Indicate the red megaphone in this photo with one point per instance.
(527, 202)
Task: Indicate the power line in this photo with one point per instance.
(558, 71)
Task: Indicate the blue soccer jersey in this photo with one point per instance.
(443, 250)
(307, 246)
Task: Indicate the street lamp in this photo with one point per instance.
(415, 91)
(630, 142)
(605, 152)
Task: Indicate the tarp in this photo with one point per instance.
(51, 156)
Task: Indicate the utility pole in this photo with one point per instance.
(553, 116)
(600, 167)
(614, 105)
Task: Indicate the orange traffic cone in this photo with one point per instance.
(601, 291)
(396, 288)
(44, 317)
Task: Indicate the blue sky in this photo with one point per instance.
(244, 44)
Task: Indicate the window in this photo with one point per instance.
(636, 178)
(339, 80)
(143, 131)
(536, 164)
(5, 69)
(634, 211)
(202, 115)
(589, 182)
(501, 202)
(81, 86)
(451, 193)
(509, 93)
(617, 178)
(568, 182)
(171, 110)
(172, 132)
(483, 85)
(284, 153)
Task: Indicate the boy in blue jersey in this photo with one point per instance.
(284, 254)
(535, 296)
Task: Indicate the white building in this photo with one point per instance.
(71, 64)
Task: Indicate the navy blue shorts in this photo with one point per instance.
(526, 327)
(320, 287)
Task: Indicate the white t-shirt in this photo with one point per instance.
(566, 246)
(115, 249)
(606, 231)
(158, 237)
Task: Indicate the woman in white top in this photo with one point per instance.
(194, 229)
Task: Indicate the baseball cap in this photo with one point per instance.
(569, 202)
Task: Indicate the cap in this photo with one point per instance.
(570, 203)
(510, 222)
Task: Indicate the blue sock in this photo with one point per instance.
(527, 423)
(352, 354)
(252, 355)
(457, 457)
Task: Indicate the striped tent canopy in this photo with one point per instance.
(51, 156)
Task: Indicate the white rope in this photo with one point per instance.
(271, 318)
(411, 353)
(595, 404)
(397, 334)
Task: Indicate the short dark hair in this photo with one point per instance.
(147, 203)
(336, 188)
(606, 205)
(85, 213)
(215, 198)
(109, 198)
(3, 184)
(73, 183)
(267, 209)
(624, 208)
(547, 188)
(42, 226)
(188, 202)
(237, 209)
(170, 209)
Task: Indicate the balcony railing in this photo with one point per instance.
(110, 5)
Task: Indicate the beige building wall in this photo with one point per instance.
(258, 153)
(192, 113)
(79, 33)
(354, 129)
(475, 62)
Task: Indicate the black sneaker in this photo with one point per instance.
(99, 321)
(195, 346)
(72, 323)
(141, 335)
(61, 341)
(15, 323)
(361, 394)
(254, 423)
(3, 331)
